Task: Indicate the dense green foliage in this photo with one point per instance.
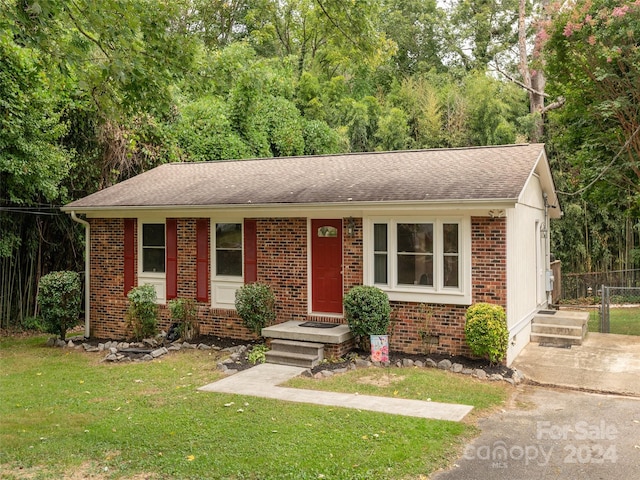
(94, 93)
(367, 311)
(142, 313)
(486, 331)
(60, 299)
(184, 312)
(255, 304)
(594, 62)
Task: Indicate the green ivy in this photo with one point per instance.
(255, 304)
(486, 331)
(60, 298)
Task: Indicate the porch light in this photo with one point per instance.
(351, 226)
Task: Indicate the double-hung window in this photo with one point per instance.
(228, 257)
(420, 260)
(153, 248)
(228, 247)
(152, 256)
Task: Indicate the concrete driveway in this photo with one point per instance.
(555, 434)
(604, 363)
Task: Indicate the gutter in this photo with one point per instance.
(87, 271)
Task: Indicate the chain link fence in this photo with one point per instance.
(578, 287)
(619, 297)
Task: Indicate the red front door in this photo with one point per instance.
(326, 266)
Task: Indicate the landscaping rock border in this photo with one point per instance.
(511, 376)
(152, 348)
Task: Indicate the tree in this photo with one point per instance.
(595, 61)
(415, 26)
(123, 54)
(479, 30)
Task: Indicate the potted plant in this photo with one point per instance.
(368, 314)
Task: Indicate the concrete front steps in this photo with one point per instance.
(303, 346)
(295, 353)
(559, 328)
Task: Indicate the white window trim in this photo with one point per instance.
(224, 287)
(157, 279)
(418, 293)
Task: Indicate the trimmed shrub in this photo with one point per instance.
(486, 331)
(142, 314)
(367, 311)
(255, 304)
(184, 312)
(60, 299)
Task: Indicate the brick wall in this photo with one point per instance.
(413, 322)
(283, 263)
(108, 301)
(489, 260)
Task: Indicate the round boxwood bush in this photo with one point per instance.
(255, 304)
(60, 298)
(486, 331)
(367, 311)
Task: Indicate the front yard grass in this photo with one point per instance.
(623, 320)
(413, 383)
(64, 414)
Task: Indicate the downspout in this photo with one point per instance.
(547, 247)
(87, 271)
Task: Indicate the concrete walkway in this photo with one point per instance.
(263, 380)
(605, 363)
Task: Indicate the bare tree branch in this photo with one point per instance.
(519, 83)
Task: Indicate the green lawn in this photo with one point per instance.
(624, 321)
(414, 383)
(64, 414)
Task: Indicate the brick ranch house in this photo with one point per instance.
(438, 230)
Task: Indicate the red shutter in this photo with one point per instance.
(172, 257)
(129, 254)
(202, 260)
(250, 251)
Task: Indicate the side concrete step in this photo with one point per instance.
(563, 317)
(295, 353)
(558, 340)
(550, 328)
(562, 328)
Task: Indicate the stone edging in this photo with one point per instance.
(446, 365)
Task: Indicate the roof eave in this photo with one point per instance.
(492, 203)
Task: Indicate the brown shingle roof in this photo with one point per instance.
(485, 173)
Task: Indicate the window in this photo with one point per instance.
(229, 249)
(451, 255)
(153, 248)
(380, 253)
(420, 260)
(415, 253)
